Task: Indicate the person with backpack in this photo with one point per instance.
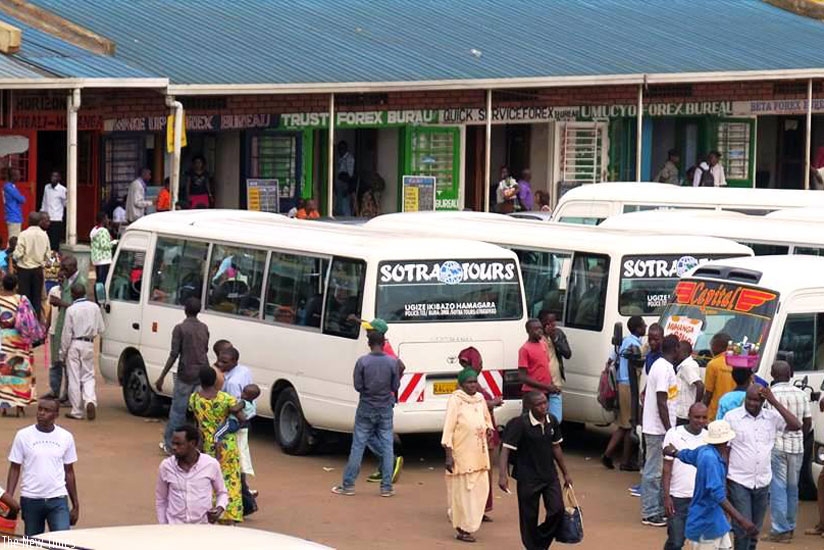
(709, 173)
(630, 347)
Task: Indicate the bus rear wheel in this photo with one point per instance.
(140, 399)
(292, 432)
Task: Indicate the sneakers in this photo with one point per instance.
(345, 491)
(635, 491)
(387, 493)
(655, 521)
(396, 472)
(164, 449)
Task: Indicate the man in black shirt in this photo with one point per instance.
(536, 436)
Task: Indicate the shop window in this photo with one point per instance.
(235, 280)
(587, 292)
(544, 275)
(177, 274)
(294, 292)
(734, 145)
(276, 156)
(344, 297)
(582, 152)
(127, 276)
(433, 152)
(123, 159)
(802, 341)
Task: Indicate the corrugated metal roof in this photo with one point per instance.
(10, 68)
(337, 41)
(55, 57)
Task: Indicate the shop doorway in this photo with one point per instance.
(791, 152)
(373, 188)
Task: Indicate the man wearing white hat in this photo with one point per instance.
(707, 525)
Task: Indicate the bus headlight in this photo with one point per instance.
(818, 453)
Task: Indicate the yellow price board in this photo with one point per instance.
(410, 199)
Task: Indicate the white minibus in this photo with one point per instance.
(591, 204)
(807, 214)
(776, 301)
(765, 235)
(289, 295)
(589, 278)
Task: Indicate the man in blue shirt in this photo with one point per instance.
(654, 338)
(13, 201)
(707, 525)
(630, 347)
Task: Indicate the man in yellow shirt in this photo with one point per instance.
(718, 377)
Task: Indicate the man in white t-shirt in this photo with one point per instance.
(659, 416)
(46, 454)
(679, 478)
(690, 385)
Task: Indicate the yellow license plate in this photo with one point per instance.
(444, 388)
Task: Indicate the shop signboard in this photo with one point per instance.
(194, 123)
(418, 193)
(263, 195)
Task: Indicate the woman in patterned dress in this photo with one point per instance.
(18, 329)
(211, 408)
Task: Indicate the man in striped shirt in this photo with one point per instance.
(787, 455)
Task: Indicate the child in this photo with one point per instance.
(164, 198)
(237, 422)
(9, 259)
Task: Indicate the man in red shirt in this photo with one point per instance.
(533, 362)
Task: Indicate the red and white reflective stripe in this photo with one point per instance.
(492, 381)
(411, 388)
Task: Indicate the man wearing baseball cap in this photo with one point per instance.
(707, 525)
(381, 327)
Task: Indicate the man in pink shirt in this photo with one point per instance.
(533, 363)
(188, 481)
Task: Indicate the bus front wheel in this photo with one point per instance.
(140, 399)
(292, 432)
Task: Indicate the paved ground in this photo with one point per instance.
(118, 459)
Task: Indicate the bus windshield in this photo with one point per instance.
(701, 309)
(448, 290)
(647, 281)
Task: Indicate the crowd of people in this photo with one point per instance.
(729, 446)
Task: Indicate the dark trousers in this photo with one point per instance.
(30, 284)
(249, 501)
(753, 505)
(56, 233)
(534, 535)
(101, 272)
(39, 511)
(677, 524)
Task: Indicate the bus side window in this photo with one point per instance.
(808, 251)
(294, 292)
(344, 297)
(803, 336)
(544, 281)
(235, 280)
(127, 276)
(177, 274)
(587, 292)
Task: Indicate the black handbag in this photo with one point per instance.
(571, 530)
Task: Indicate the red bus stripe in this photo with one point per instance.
(493, 385)
(410, 387)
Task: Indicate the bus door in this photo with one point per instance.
(802, 345)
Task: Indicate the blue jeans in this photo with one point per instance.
(677, 524)
(786, 471)
(555, 402)
(651, 498)
(56, 379)
(38, 511)
(753, 504)
(371, 423)
(177, 412)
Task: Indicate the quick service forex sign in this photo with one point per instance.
(444, 289)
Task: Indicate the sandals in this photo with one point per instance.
(463, 536)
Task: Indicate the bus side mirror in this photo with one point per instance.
(617, 334)
(100, 293)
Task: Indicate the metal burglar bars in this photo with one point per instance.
(275, 156)
(582, 153)
(124, 158)
(734, 146)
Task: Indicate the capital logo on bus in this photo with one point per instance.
(450, 273)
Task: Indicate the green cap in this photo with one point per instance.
(378, 325)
